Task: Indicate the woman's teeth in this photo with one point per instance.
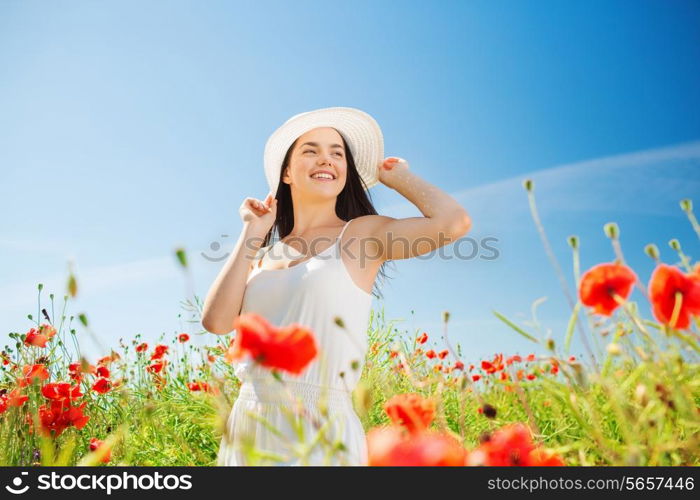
(322, 177)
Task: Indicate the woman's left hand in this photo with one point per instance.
(392, 168)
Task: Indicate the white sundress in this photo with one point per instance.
(312, 293)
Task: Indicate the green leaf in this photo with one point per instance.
(516, 327)
(570, 327)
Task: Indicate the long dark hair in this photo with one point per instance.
(353, 201)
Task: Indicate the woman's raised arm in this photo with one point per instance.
(444, 219)
(225, 298)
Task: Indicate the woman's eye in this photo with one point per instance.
(308, 151)
(339, 154)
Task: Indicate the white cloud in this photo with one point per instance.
(644, 182)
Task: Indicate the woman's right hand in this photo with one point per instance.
(260, 214)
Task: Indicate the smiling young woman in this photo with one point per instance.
(320, 273)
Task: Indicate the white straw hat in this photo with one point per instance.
(359, 129)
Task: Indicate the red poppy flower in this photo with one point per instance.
(390, 446)
(290, 348)
(16, 398)
(413, 411)
(61, 391)
(602, 282)
(430, 354)
(443, 354)
(541, 457)
(423, 338)
(393, 353)
(3, 403)
(201, 386)
(504, 376)
(669, 285)
(572, 359)
(47, 330)
(156, 367)
(211, 358)
(56, 417)
(142, 347)
(510, 445)
(183, 337)
(35, 338)
(33, 372)
(530, 357)
(105, 360)
(513, 359)
(493, 366)
(102, 386)
(95, 444)
(103, 371)
(554, 370)
(458, 365)
(159, 351)
(531, 376)
(74, 371)
(476, 378)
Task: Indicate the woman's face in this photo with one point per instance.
(320, 149)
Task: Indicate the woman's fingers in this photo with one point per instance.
(262, 206)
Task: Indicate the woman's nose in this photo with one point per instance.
(325, 158)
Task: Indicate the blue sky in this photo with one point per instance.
(130, 128)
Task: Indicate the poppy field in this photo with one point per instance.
(631, 398)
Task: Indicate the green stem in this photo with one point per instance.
(559, 273)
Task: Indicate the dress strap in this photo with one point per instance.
(344, 228)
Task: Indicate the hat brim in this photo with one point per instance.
(359, 129)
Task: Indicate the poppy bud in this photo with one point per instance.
(611, 230)
(652, 251)
(528, 185)
(445, 316)
(687, 205)
(573, 241)
(550, 344)
(181, 256)
(83, 319)
(339, 321)
(614, 349)
(489, 411)
(72, 285)
(675, 244)
(640, 394)
(641, 353)
(40, 287)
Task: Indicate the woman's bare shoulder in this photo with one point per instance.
(366, 224)
(365, 227)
